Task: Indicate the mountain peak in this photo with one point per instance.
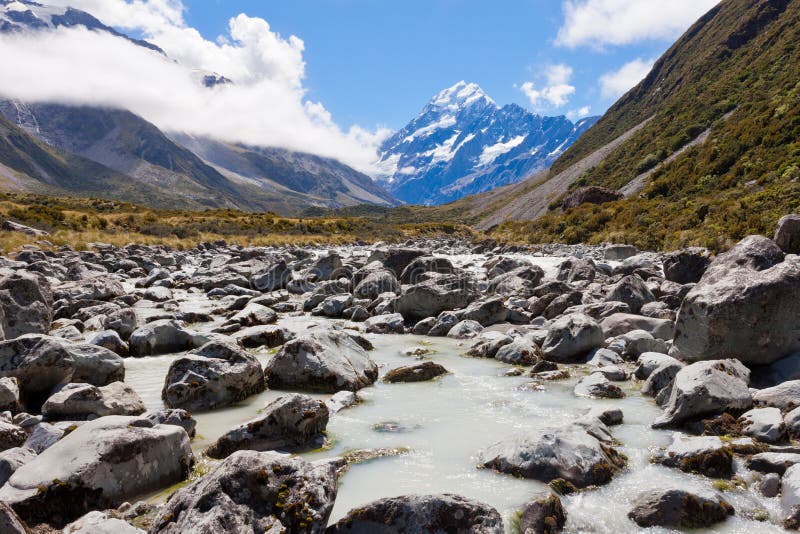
(460, 95)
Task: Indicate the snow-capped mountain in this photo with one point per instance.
(464, 143)
(21, 15)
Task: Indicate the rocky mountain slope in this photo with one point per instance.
(464, 143)
(158, 171)
(706, 145)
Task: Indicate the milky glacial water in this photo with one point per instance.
(447, 422)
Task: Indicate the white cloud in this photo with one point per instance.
(579, 113)
(616, 83)
(266, 106)
(556, 91)
(619, 22)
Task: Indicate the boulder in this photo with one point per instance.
(11, 435)
(488, 343)
(686, 266)
(415, 373)
(785, 396)
(570, 452)
(39, 363)
(425, 264)
(521, 351)
(787, 234)
(571, 337)
(99, 465)
(632, 291)
(704, 455)
(437, 294)
(486, 312)
(101, 523)
(790, 497)
(619, 252)
(397, 259)
(9, 395)
(322, 361)
(465, 330)
(161, 337)
(176, 417)
(622, 323)
(763, 424)
(253, 492)
(390, 323)
(773, 462)
(217, 374)
(649, 362)
(543, 516)
(421, 513)
(25, 302)
(110, 340)
(76, 402)
(792, 422)
(273, 278)
(746, 306)
(597, 386)
(11, 226)
(96, 365)
(253, 315)
(661, 376)
(269, 336)
(11, 460)
(289, 423)
(706, 388)
(679, 508)
(10, 523)
(591, 194)
(376, 283)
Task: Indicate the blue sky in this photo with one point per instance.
(376, 62)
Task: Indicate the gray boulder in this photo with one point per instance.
(706, 388)
(101, 523)
(11, 460)
(521, 351)
(375, 283)
(39, 363)
(746, 306)
(111, 460)
(465, 329)
(570, 452)
(425, 264)
(622, 323)
(272, 278)
(686, 266)
(96, 365)
(632, 291)
(173, 416)
(76, 402)
(437, 294)
(597, 386)
(785, 396)
(390, 323)
(679, 508)
(488, 343)
(321, 361)
(661, 377)
(415, 373)
(25, 302)
(704, 455)
(763, 424)
(11, 435)
(289, 423)
(571, 337)
(9, 394)
(787, 234)
(162, 337)
(421, 513)
(253, 492)
(9, 521)
(217, 374)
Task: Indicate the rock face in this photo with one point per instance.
(706, 388)
(323, 361)
(217, 374)
(571, 338)
(746, 306)
(24, 300)
(253, 492)
(569, 452)
(99, 465)
(415, 373)
(288, 423)
(787, 234)
(680, 508)
(76, 402)
(437, 294)
(589, 195)
(421, 513)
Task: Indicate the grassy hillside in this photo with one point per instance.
(78, 221)
(734, 75)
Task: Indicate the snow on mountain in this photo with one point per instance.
(21, 15)
(463, 143)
